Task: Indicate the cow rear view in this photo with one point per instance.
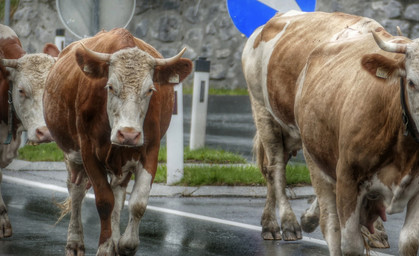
(273, 58)
(108, 103)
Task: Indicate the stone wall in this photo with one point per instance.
(204, 27)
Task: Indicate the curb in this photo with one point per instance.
(55, 172)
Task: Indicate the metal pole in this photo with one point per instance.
(174, 140)
(60, 38)
(7, 13)
(199, 104)
(95, 18)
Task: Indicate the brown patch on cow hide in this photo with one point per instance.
(270, 30)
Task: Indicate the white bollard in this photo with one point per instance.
(60, 38)
(199, 104)
(174, 140)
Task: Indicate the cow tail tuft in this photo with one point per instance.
(65, 207)
(259, 154)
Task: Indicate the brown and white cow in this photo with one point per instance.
(108, 102)
(361, 145)
(20, 106)
(273, 58)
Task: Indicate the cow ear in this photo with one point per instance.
(91, 67)
(174, 73)
(51, 50)
(382, 67)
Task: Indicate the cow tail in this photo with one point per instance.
(259, 154)
(65, 207)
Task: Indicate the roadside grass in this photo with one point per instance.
(188, 90)
(205, 155)
(41, 152)
(232, 175)
(203, 167)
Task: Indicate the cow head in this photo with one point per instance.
(28, 75)
(393, 69)
(132, 74)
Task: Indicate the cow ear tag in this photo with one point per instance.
(174, 79)
(381, 73)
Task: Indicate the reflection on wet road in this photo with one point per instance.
(33, 215)
(162, 231)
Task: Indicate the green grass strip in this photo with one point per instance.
(42, 152)
(206, 155)
(232, 175)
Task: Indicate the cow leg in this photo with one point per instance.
(128, 244)
(119, 188)
(104, 201)
(348, 201)
(329, 221)
(310, 218)
(5, 226)
(270, 136)
(76, 184)
(409, 235)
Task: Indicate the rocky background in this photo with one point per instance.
(204, 27)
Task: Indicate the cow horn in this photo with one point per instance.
(105, 57)
(169, 61)
(399, 31)
(389, 47)
(11, 63)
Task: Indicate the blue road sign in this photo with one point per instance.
(247, 15)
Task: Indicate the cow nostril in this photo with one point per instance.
(39, 133)
(128, 137)
(137, 137)
(120, 136)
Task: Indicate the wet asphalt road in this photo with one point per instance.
(233, 227)
(33, 215)
(171, 226)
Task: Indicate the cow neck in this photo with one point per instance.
(10, 114)
(409, 124)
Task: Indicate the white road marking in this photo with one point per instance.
(51, 187)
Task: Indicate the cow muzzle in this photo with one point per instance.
(40, 135)
(43, 134)
(128, 137)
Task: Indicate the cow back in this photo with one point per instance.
(277, 52)
(358, 116)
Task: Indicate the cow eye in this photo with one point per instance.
(151, 90)
(111, 88)
(22, 92)
(411, 84)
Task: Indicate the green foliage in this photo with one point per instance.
(13, 7)
(232, 175)
(205, 155)
(188, 90)
(42, 152)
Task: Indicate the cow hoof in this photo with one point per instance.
(291, 230)
(74, 249)
(271, 234)
(5, 226)
(377, 240)
(309, 222)
(128, 246)
(106, 249)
